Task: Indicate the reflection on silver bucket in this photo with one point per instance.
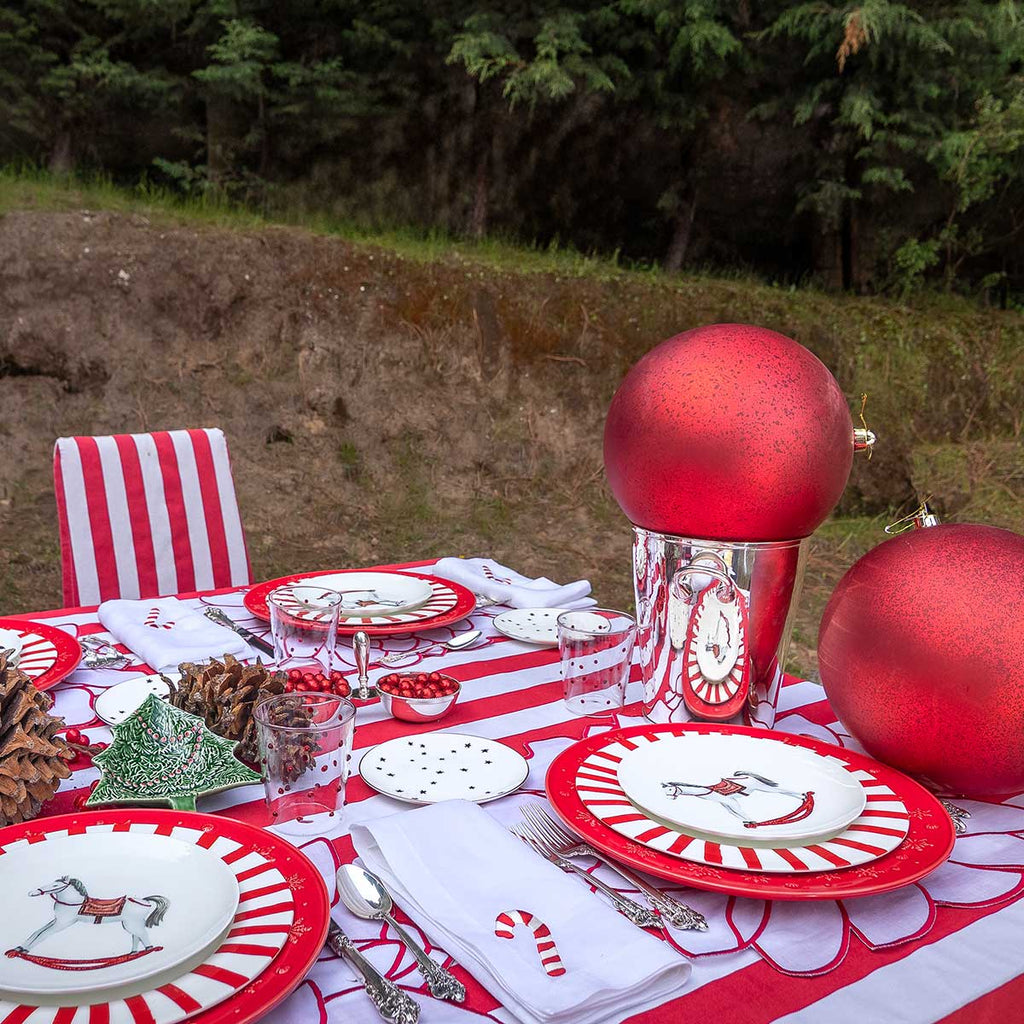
(713, 624)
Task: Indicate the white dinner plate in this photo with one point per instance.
(374, 593)
(115, 704)
(436, 766)
(741, 787)
(530, 625)
(99, 911)
(879, 830)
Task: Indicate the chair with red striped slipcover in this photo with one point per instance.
(147, 515)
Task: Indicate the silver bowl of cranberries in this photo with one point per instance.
(418, 696)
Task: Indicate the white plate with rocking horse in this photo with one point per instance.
(90, 913)
(877, 831)
(741, 788)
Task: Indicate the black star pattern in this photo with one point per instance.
(468, 745)
(472, 787)
(488, 762)
(423, 792)
(391, 775)
(463, 769)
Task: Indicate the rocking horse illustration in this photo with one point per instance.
(72, 904)
(728, 792)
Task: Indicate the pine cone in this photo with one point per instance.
(223, 695)
(33, 758)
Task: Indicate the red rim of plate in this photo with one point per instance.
(255, 601)
(928, 844)
(69, 650)
(311, 901)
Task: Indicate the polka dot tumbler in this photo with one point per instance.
(596, 646)
(305, 751)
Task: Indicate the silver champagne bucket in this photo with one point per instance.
(713, 624)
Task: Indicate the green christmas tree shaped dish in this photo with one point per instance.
(161, 755)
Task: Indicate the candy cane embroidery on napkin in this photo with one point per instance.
(489, 573)
(505, 926)
(154, 614)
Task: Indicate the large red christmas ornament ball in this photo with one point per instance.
(730, 432)
(921, 652)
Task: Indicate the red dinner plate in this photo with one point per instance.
(309, 894)
(49, 654)
(465, 601)
(928, 844)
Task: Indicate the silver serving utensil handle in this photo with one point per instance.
(221, 618)
(630, 909)
(442, 985)
(670, 909)
(391, 1002)
(102, 654)
(361, 648)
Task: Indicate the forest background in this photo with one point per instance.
(872, 146)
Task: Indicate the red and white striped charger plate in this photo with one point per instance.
(879, 830)
(48, 654)
(282, 918)
(928, 844)
(449, 603)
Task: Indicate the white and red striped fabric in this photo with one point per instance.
(145, 515)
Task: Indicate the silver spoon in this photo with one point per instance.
(458, 643)
(366, 897)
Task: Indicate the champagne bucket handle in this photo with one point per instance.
(722, 575)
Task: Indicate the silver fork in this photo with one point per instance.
(565, 844)
(640, 916)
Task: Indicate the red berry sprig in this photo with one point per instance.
(418, 685)
(313, 681)
(81, 748)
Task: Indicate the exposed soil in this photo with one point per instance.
(377, 409)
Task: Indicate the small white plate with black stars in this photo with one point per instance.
(530, 625)
(438, 766)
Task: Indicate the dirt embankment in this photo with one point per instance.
(381, 409)
(368, 417)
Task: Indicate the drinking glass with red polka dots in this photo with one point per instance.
(304, 626)
(596, 645)
(305, 742)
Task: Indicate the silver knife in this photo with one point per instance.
(216, 615)
(391, 1002)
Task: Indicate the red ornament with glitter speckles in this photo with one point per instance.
(921, 651)
(729, 431)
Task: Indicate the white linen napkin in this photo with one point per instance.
(164, 632)
(453, 869)
(506, 586)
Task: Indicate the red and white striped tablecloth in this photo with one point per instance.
(947, 949)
